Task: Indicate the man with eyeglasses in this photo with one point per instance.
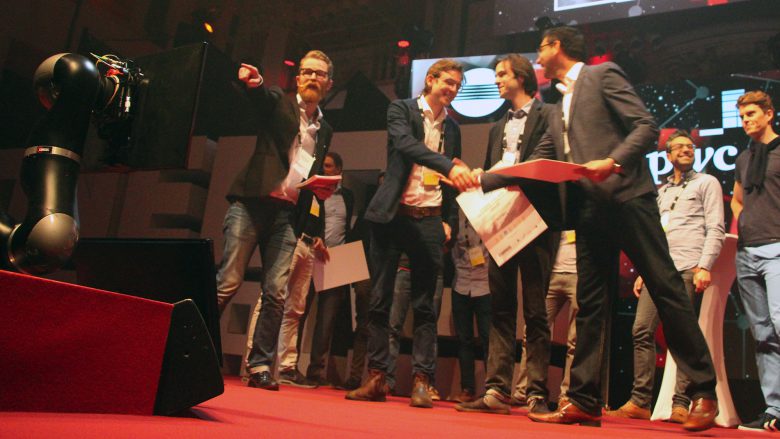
(291, 145)
(413, 213)
(606, 128)
(691, 207)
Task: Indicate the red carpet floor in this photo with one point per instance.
(293, 413)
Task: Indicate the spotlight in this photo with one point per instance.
(289, 63)
(403, 44)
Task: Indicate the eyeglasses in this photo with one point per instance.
(322, 74)
(676, 146)
(549, 43)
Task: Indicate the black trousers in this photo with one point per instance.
(328, 305)
(603, 230)
(535, 263)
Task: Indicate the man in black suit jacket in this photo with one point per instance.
(606, 127)
(513, 139)
(291, 143)
(408, 215)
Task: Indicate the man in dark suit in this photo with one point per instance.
(513, 139)
(291, 143)
(606, 127)
(408, 215)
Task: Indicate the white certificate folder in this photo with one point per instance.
(347, 264)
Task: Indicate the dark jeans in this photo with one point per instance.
(422, 241)
(464, 310)
(643, 332)
(603, 229)
(402, 294)
(360, 342)
(328, 304)
(535, 263)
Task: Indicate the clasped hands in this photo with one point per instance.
(461, 177)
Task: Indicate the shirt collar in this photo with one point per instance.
(525, 108)
(422, 103)
(687, 175)
(302, 106)
(574, 71)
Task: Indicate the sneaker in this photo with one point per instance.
(765, 422)
(538, 405)
(293, 377)
(518, 400)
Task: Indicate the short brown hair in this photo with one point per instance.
(523, 69)
(317, 54)
(759, 98)
(442, 65)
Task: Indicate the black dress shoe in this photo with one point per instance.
(484, 404)
(263, 380)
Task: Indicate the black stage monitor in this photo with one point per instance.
(166, 270)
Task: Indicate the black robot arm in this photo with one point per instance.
(71, 87)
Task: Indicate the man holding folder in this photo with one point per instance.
(512, 140)
(606, 127)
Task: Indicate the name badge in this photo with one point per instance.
(430, 178)
(665, 220)
(315, 207)
(476, 256)
(571, 236)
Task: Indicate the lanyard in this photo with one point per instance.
(682, 189)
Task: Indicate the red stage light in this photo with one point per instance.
(289, 63)
(403, 44)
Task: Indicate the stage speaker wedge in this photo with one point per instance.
(68, 348)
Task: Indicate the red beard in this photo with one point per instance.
(310, 92)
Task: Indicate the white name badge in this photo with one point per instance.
(509, 157)
(665, 221)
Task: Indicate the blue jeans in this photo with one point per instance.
(758, 275)
(268, 225)
(422, 240)
(402, 294)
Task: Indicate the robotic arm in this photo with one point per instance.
(71, 88)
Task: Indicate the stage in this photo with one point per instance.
(293, 412)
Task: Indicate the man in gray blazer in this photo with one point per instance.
(606, 127)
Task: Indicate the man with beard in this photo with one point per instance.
(513, 139)
(408, 215)
(691, 207)
(606, 128)
(291, 144)
(756, 207)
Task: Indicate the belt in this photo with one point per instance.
(308, 240)
(417, 212)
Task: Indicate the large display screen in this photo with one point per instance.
(513, 16)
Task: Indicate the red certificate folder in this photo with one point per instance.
(553, 171)
(319, 181)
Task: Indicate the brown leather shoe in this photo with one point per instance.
(631, 411)
(702, 414)
(420, 396)
(679, 414)
(372, 390)
(434, 393)
(465, 395)
(567, 414)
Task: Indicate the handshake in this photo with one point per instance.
(461, 177)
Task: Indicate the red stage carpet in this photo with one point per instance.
(292, 413)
